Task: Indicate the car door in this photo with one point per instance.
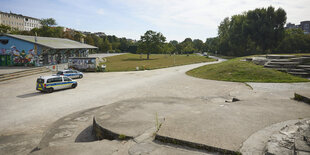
(71, 74)
(67, 82)
(58, 83)
(76, 75)
(66, 73)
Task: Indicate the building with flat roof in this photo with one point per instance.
(304, 25)
(18, 21)
(39, 51)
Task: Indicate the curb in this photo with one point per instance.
(300, 97)
(102, 133)
(198, 146)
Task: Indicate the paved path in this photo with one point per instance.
(102, 55)
(26, 114)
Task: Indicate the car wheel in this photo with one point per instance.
(50, 90)
(74, 85)
(81, 76)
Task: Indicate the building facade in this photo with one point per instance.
(18, 21)
(304, 25)
(21, 50)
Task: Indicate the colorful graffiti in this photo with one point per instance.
(21, 57)
(82, 64)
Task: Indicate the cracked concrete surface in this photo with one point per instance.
(27, 114)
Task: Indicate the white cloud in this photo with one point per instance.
(100, 11)
(201, 17)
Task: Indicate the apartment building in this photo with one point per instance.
(18, 21)
(304, 25)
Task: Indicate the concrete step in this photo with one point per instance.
(302, 74)
(280, 56)
(20, 74)
(24, 71)
(297, 70)
(272, 66)
(303, 66)
(284, 63)
(281, 69)
(286, 60)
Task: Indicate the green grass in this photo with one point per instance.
(129, 62)
(241, 71)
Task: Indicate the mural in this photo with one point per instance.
(83, 64)
(21, 58)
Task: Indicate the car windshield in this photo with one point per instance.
(39, 80)
(59, 73)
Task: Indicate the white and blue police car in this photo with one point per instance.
(70, 73)
(51, 83)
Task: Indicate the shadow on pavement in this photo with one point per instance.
(86, 135)
(30, 95)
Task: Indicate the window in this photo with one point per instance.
(58, 79)
(50, 80)
(39, 80)
(67, 79)
(60, 73)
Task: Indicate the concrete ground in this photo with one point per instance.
(27, 114)
(12, 69)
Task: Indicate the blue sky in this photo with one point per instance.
(176, 19)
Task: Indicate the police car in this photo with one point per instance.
(51, 83)
(71, 73)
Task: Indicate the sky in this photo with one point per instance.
(175, 19)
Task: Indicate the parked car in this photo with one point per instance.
(51, 83)
(70, 73)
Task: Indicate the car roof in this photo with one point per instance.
(48, 77)
(67, 70)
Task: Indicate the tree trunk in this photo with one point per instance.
(148, 56)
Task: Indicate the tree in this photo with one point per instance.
(107, 46)
(4, 28)
(198, 45)
(151, 42)
(266, 27)
(295, 41)
(89, 40)
(124, 44)
(48, 22)
(223, 35)
(253, 32)
(187, 46)
(211, 44)
(169, 48)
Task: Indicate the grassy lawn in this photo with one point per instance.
(129, 62)
(241, 71)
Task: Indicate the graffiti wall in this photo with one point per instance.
(84, 64)
(22, 53)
